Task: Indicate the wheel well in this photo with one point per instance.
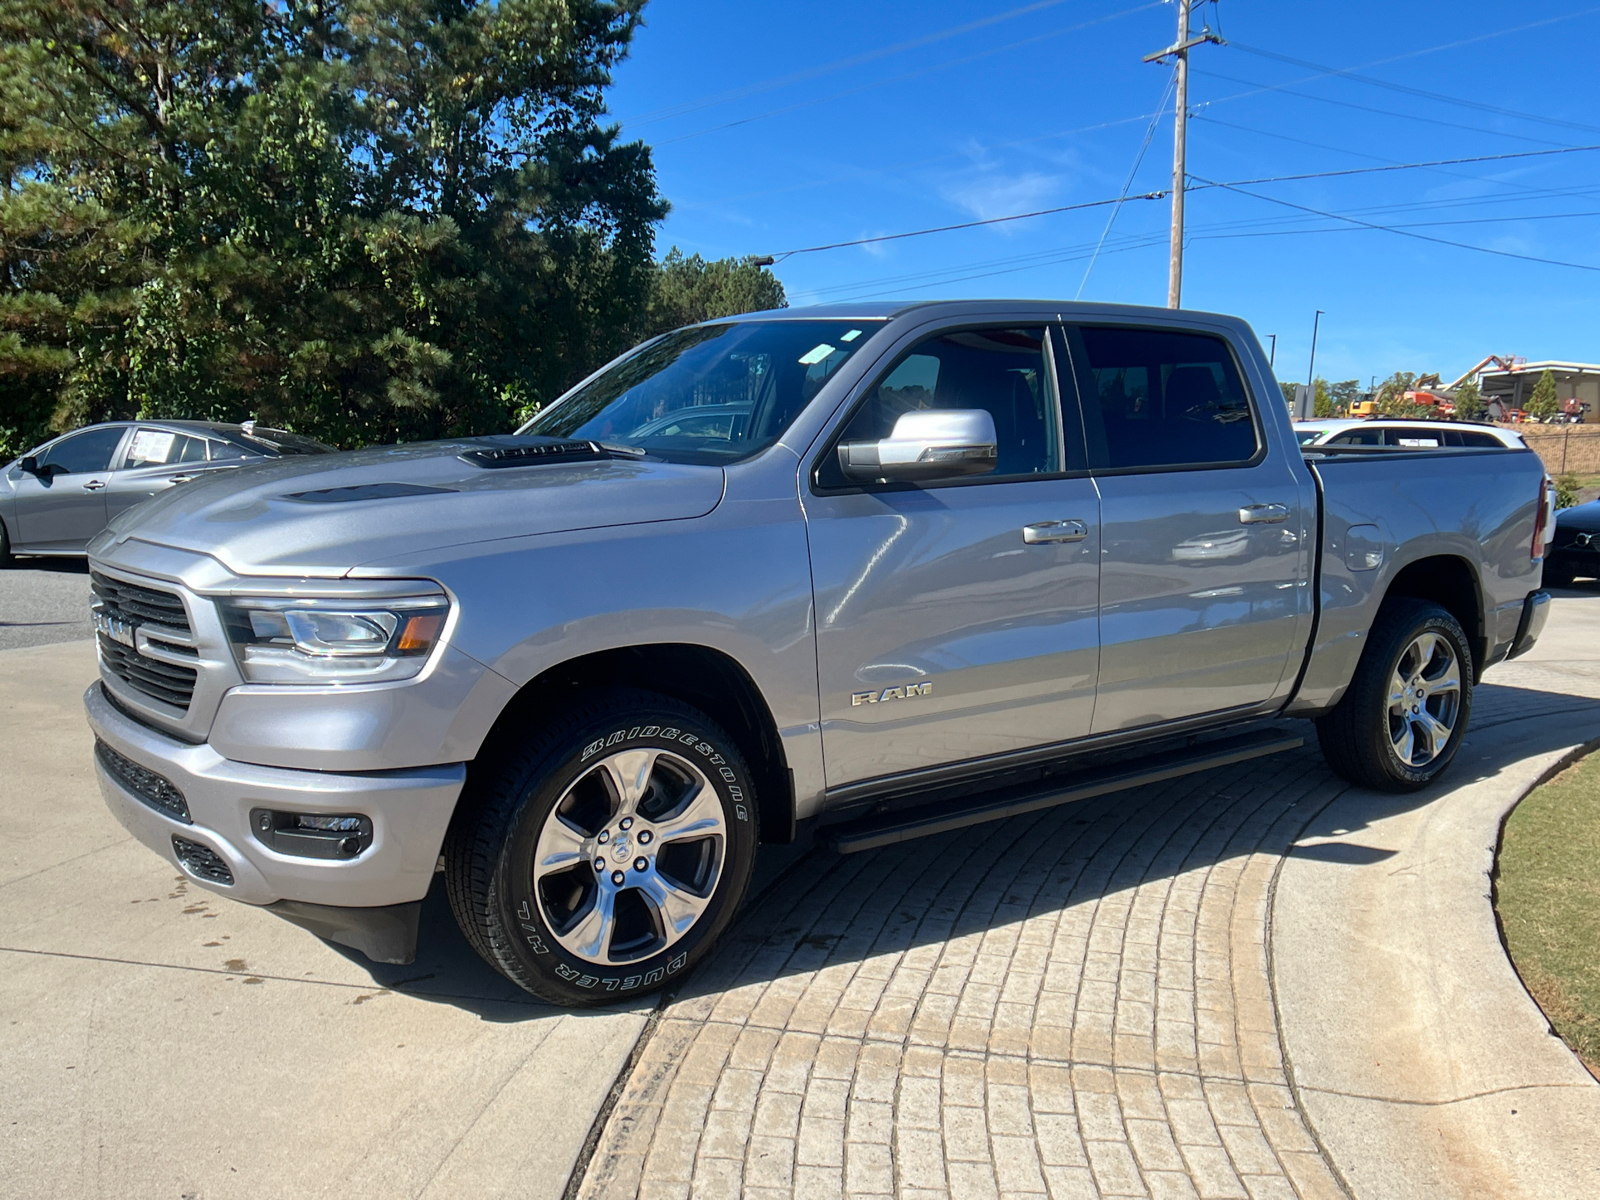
(698, 675)
(1450, 583)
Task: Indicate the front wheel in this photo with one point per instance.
(1405, 712)
(604, 858)
(5, 548)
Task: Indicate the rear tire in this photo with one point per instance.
(5, 548)
(602, 858)
(1405, 712)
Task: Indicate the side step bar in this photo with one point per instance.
(873, 832)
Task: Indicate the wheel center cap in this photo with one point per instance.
(622, 848)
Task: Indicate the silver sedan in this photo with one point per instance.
(58, 496)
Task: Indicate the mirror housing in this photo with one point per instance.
(28, 463)
(931, 444)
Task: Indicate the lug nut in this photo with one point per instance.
(605, 836)
(644, 837)
(640, 864)
(626, 823)
(600, 865)
(617, 877)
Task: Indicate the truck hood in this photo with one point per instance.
(324, 515)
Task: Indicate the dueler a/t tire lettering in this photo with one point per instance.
(510, 912)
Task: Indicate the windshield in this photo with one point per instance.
(711, 393)
(1307, 436)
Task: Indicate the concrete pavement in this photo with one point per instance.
(159, 1041)
(43, 601)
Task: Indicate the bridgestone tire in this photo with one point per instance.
(1356, 736)
(491, 872)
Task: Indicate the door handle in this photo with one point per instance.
(182, 478)
(1264, 514)
(1042, 532)
(94, 485)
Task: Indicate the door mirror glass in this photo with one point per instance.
(929, 444)
(28, 463)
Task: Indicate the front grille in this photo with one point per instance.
(132, 605)
(167, 682)
(139, 605)
(153, 789)
(201, 860)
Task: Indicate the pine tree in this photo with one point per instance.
(1542, 404)
(1469, 402)
(369, 220)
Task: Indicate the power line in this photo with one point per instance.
(877, 83)
(1554, 262)
(1127, 186)
(1234, 185)
(842, 64)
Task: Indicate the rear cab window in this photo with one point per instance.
(1161, 399)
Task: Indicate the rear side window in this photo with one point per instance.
(159, 447)
(1417, 439)
(1489, 440)
(1358, 437)
(1154, 398)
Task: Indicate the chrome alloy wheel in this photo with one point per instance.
(630, 856)
(1424, 699)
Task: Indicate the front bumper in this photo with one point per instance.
(410, 810)
(1535, 611)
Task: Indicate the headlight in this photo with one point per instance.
(326, 640)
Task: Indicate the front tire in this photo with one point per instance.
(1405, 712)
(5, 548)
(604, 858)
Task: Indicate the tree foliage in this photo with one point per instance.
(367, 220)
(689, 290)
(1469, 402)
(1543, 404)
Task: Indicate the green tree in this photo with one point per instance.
(1543, 405)
(1345, 395)
(688, 290)
(369, 220)
(1469, 402)
(1288, 393)
(1321, 399)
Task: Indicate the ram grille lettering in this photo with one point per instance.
(909, 692)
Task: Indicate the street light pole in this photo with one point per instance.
(1312, 370)
(1272, 355)
(1179, 50)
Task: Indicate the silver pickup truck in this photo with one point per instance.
(858, 574)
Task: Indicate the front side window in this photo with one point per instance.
(1158, 398)
(160, 447)
(1003, 371)
(711, 393)
(83, 453)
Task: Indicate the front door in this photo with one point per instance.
(946, 631)
(1205, 574)
(64, 505)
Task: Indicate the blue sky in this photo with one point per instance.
(782, 125)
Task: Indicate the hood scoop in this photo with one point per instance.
(366, 491)
(534, 451)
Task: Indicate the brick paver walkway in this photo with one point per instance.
(1075, 1003)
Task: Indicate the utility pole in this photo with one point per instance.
(1272, 356)
(1179, 50)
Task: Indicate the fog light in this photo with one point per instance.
(313, 835)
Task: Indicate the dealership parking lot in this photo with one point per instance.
(1195, 989)
(44, 600)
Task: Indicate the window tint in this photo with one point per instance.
(159, 447)
(1481, 439)
(1358, 437)
(1160, 399)
(222, 451)
(1003, 371)
(84, 453)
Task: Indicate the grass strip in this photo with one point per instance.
(1547, 896)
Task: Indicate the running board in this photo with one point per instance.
(872, 832)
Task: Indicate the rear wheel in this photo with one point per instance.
(1402, 719)
(5, 547)
(605, 857)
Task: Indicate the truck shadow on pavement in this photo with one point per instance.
(814, 910)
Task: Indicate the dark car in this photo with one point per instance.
(55, 498)
(1575, 550)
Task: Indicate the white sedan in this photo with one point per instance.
(1365, 431)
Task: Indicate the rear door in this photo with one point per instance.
(64, 505)
(945, 631)
(152, 461)
(1204, 576)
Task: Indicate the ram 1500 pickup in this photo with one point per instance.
(857, 573)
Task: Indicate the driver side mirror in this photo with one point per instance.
(28, 463)
(933, 444)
